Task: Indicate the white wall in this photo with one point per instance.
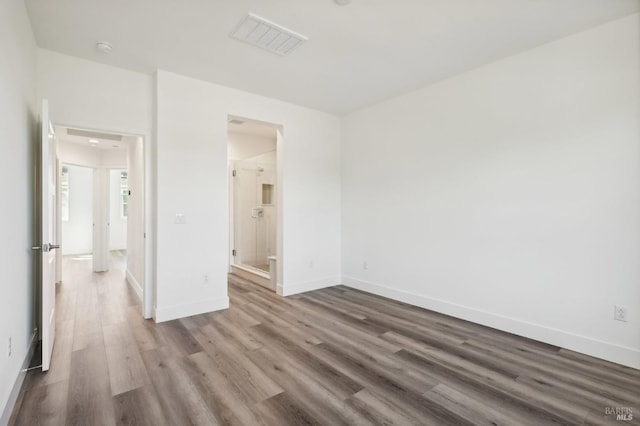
(242, 146)
(509, 195)
(90, 95)
(192, 179)
(79, 155)
(267, 158)
(77, 232)
(117, 223)
(18, 116)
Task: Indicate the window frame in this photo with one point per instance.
(65, 199)
(124, 194)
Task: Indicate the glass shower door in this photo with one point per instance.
(244, 212)
(265, 224)
(254, 215)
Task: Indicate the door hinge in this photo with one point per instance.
(233, 252)
(233, 173)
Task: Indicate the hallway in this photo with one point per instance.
(96, 314)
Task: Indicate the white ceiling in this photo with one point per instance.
(253, 128)
(356, 55)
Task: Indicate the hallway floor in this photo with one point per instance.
(332, 356)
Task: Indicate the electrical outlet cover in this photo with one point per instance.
(620, 313)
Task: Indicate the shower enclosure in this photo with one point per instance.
(254, 212)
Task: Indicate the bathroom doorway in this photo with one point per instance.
(253, 209)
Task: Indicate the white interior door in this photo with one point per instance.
(48, 175)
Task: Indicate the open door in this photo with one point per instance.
(47, 189)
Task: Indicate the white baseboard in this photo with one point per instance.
(17, 385)
(575, 342)
(289, 289)
(186, 310)
(135, 285)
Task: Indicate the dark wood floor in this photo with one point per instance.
(333, 356)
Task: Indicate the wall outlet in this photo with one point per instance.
(620, 313)
(365, 265)
(9, 347)
(311, 264)
(205, 279)
(180, 219)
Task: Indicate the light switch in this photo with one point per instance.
(180, 219)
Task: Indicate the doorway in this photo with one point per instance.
(112, 234)
(76, 211)
(252, 148)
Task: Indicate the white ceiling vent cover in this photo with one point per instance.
(93, 135)
(267, 35)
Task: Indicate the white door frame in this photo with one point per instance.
(100, 245)
(148, 287)
(279, 198)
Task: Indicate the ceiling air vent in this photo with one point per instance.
(267, 35)
(236, 121)
(94, 135)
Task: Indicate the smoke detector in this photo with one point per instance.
(104, 47)
(267, 35)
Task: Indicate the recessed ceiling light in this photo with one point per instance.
(104, 47)
(94, 141)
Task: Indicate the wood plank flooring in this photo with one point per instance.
(335, 356)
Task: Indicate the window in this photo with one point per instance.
(64, 194)
(124, 195)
